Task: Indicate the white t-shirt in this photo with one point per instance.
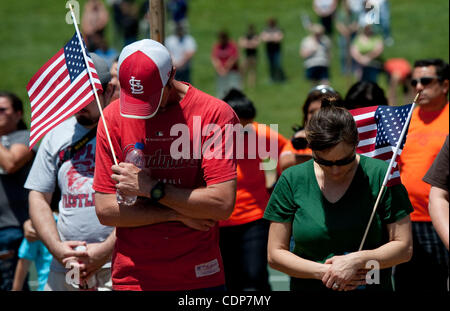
(178, 48)
(321, 56)
(77, 218)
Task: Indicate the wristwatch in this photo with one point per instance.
(157, 192)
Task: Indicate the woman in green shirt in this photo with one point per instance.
(326, 203)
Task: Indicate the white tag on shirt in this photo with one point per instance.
(207, 268)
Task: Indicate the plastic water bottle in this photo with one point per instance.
(136, 157)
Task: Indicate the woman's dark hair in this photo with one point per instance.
(318, 93)
(365, 94)
(243, 106)
(330, 126)
(17, 106)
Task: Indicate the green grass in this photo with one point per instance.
(32, 31)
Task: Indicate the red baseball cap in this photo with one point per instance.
(144, 68)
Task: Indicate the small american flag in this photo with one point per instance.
(60, 89)
(379, 129)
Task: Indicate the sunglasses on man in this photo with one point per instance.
(424, 81)
(341, 162)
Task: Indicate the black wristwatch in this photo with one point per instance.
(158, 191)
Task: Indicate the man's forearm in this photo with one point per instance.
(438, 208)
(140, 214)
(214, 202)
(42, 218)
(204, 203)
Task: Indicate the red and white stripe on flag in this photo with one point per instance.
(368, 130)
(60, 89)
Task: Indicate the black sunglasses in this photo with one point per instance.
(424, 81)
(341, 162)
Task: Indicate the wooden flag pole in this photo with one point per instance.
(92, 82)
(388, 173)
(156, 21)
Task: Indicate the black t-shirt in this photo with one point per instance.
(13, 196)
(437, 175)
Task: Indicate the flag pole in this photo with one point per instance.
(388, 173)
(92, 82)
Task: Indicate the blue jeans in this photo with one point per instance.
(10, 239)
(276, 70)
(244, 254)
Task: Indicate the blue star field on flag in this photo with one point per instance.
(390, 122)
(74, 57)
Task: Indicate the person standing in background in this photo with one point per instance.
(250, 42)
(93, 23)
(366, 50)
(272, 36)
(15, 163)
(66, 158)
(243, 236)
(182, 48)
(315, 49)
(224, 57)
(325, 10)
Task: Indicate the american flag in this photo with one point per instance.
(60, 89)
(379, 129)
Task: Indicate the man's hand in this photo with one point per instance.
(29, 231)
(67, 250)
(197, 224)
(132, 180)
(96, 256)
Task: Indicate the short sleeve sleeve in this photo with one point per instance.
(43, 173)
(104, 160)
(437, 175)
(220, 165)
(28, 250)
(281, 206)
(396, 204)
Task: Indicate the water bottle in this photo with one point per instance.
(136, 157)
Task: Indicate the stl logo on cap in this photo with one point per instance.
(136, 86)
(144, 69)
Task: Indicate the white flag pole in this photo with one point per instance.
(388, 173)
(92, 82)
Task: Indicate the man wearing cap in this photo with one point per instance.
(77, 223)
(169, 239)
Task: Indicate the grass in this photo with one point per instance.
(32, 31)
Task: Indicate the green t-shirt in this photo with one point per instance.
(322, 229)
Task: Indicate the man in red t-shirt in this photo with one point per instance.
(169, 239)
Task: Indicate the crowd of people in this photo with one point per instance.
(206, 223)
(362, 27)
